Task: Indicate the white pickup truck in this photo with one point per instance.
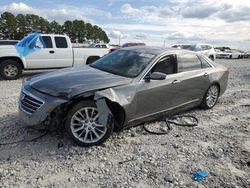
(56, 53)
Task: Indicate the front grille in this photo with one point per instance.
(30, 103)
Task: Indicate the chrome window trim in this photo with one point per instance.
(172, 53)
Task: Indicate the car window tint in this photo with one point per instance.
(166, 65)
(204, 63)
(47, 41)
(124, 62)
(188, 62)
(61, 42)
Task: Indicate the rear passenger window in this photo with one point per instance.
(47, 41)
(61, 42)
(188, 62)
(166, 65)
(204, 63)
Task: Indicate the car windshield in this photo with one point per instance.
(125, 63)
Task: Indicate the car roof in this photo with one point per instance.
(154, 50)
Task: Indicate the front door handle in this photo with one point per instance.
(206, 74)
(176, 81)
(51, 51)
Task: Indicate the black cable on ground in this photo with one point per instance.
(24, 140)
(176, 121)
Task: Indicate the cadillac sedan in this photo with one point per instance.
(128, 87)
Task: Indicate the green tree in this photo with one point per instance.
(16, 27)
(68, 29)
(55, 27)
(8, 25)
(21, 26)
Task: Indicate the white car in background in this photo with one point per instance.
(230, 54)
(99, 45)
(206, 49)
(246, 54)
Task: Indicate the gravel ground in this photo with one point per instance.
(220, 145)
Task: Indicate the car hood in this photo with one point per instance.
(70, 82)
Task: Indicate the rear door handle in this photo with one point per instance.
(176, 81)
(51, 51)
(206, 74)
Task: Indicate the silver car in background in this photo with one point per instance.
(125, 88)
(206, 49)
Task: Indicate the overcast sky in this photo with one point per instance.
(219, 22)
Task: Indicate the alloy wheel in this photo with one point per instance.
(212, 95)
(85, 126)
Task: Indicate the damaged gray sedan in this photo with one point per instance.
(125, 88)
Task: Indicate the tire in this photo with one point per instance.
(10, 69)
(230, 57)
(211, 57)
(82, 130)
(211, 97)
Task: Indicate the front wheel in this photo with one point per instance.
(10, 69)
(211, 97)
(83, 126)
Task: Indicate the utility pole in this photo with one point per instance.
(119, 39)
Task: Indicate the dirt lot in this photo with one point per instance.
(220, 145)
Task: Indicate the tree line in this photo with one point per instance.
(16, 27)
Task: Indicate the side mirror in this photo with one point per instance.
(156, 76)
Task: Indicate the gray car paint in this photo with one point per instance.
(70, 82)
(140, 100)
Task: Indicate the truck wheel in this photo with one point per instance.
(10, 69)
(83, 127)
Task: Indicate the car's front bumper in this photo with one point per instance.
(34, 107)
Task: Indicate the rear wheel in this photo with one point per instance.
(10, 69)
(83, 126)
(211, 97)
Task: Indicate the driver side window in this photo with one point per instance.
(166, 65)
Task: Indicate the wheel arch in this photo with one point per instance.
(116, 109)
(92, 59)
(216, 83)
(118, 113)
(17, 59)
